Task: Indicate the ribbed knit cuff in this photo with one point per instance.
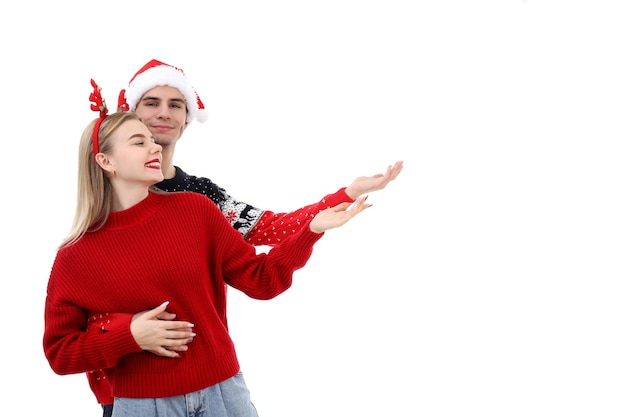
(331, 200)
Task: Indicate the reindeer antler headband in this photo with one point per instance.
(100, 105)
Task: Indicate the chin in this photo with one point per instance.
(163, 142)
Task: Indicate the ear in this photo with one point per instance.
(105, 163)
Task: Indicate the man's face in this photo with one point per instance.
(164, 111)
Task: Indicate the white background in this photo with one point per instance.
(487, 280)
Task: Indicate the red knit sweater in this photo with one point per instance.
(175, 247)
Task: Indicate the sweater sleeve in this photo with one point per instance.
(104, 322)
(265, 275)
(259, 227)
(69, 347)
(272, 228)
(99, 384)
(241, 216)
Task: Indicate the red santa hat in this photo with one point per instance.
(156, 73)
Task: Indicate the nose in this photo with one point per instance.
(156, 148)
(163, 111)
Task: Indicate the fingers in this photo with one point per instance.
(166, 315)
(364, 185)
(155, 312)
(166, 343)
(161, 351)
(177, 338)
(338, 215)
(341, 206)
(159, 313)
(380, 181)
(176, 342)
(396, 169)
(359, 205)
(393, 171)
(182, 348)
(390, 175)
(156, 331)
(353, 208)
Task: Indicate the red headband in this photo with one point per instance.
(100, 105)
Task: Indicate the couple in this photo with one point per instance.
(136, 244)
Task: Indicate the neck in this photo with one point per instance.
(127, 197)
(167, 163)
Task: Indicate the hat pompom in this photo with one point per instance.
(202, 115)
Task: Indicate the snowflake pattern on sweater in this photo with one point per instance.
(259, 227)
(242, 216)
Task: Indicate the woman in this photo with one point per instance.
(111, 262)
(167, 103)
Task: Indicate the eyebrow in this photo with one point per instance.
(179, 100)
(137, 135)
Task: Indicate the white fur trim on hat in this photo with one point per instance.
(156, 73)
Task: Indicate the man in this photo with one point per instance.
(167, 102)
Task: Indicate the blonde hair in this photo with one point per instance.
(94, 191)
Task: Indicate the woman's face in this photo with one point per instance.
(135, 157)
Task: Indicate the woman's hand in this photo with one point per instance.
(156, 331)
(337, 216)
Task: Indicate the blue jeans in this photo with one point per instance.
(107, 410)
(229, 398)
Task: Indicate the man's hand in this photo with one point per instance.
(364, 185)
